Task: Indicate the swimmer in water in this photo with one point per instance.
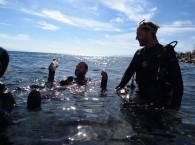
(34, 98)
(79, 78)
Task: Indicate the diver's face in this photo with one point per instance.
(142, 36)
(80, 69)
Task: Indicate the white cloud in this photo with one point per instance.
(56, 15)
(83, 23)
(181, 23)
(118, 20)
(94, 8)
(5, 24)
(47, 26)
(21, 37)
(2, 2)
(171, 30)
(73, 21)
(31, 12)
(134, 10)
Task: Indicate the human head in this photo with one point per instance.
(4, 60)
(81, 69)
(34, 100)
(146, 32)
(7, 102)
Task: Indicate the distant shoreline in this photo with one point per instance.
(187, 57)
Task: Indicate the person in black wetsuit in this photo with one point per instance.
(79, 78)
(158, 74)
(7, 101)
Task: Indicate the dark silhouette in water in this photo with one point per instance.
(7, 101)
(52, 67)
(34, 100)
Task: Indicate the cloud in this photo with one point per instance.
(177, 27)
(73, 21)
(78, 22)
(3, 2)
(56, 15)
(94, 8)
(5, 24)
(31, 12)
(181, 23)
(47, 26)
(118, 20)
(175, 30)
(134, 10)
(21, 37)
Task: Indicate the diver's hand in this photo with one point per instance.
(104, 75)
(53, 65)
(118, 90)
(104, 80)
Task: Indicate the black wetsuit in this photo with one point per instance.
(164, 90)
(71, 80)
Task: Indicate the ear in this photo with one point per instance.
(86, 71)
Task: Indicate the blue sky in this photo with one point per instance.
(92, 27)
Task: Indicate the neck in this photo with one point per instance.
(80, 80)
(81, 77)
(151, 43)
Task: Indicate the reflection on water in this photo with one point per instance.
(82, 114)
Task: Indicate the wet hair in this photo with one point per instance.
(4, 60)
(85, 64)
(7, 101)
(146, 26)
(34, 100)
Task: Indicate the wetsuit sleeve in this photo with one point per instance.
(176, 79)
(104, 80)
(130, 70)
(51, 76)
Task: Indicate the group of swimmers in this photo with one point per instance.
(7, 101)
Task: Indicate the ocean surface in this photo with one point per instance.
(85, 116)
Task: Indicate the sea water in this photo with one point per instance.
(84, 115)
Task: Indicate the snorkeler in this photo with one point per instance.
(79, 78)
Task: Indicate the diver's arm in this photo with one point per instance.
(51, 76)
(52, 67)
(104, 80)
(129, 71)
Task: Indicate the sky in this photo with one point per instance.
(93, 27)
